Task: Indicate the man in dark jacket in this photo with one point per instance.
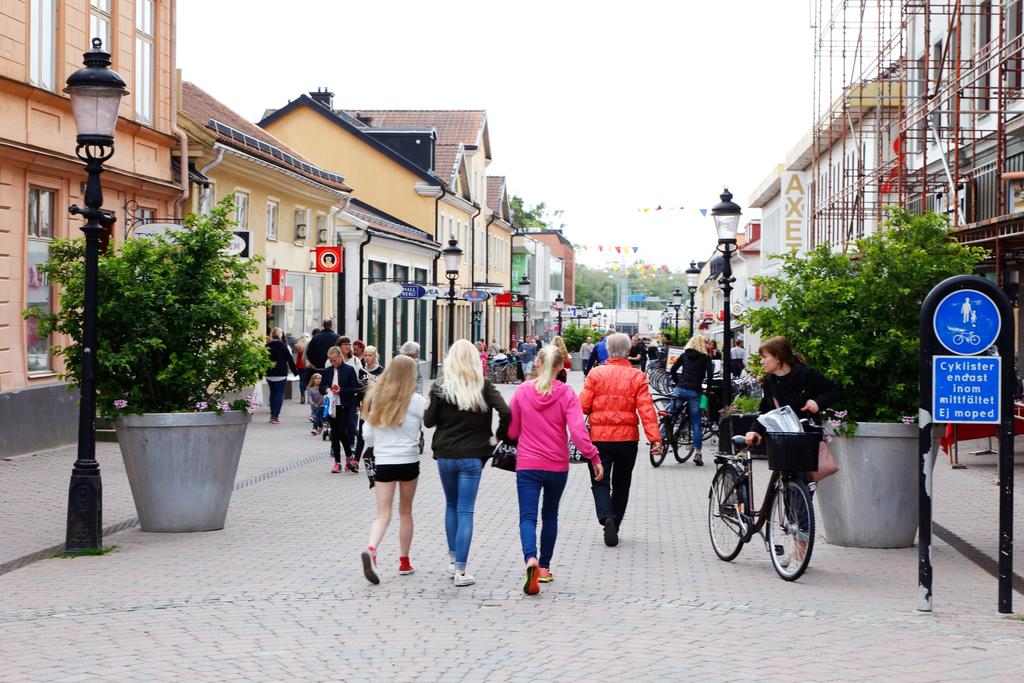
(341, 381)
(316, 348)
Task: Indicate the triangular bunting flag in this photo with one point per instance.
(704, 212)
(635, 249)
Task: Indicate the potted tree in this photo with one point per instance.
(855, 316)
(176, 336)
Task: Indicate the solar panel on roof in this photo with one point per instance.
(274, 151)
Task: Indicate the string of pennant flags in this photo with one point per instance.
(686, 209)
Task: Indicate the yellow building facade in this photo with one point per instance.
(41, 44)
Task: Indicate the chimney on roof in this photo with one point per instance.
(323, 97)
(364, 118)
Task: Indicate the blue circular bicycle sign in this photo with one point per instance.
(967, 322)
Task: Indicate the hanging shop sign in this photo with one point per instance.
(475, 295)
(328, 259)
(383, 290)
(240, 244)
(430, 293)
(413, 291)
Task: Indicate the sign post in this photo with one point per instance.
(969, 317)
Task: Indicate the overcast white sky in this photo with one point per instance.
(596, 108)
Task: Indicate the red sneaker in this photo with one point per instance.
(531, 585)
(544, 575)
(336, 468)
(404, 566)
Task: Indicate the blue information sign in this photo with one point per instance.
(967, 322)
(412, 291)
(966, 389)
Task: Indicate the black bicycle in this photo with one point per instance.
(785, 519)
(676, 431)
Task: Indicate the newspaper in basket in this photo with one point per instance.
(789, 448)
(782, 419)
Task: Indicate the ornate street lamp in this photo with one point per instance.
(559, 305)
(452, 258)
(677, 303)
(96, 94)
(692, 277)
(727, 219)
(524, 296)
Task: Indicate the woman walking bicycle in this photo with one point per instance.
(460, 408)
(542, 408)
(688, 373)
(393, 416)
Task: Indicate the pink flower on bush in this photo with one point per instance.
(120, 404)
(201, 406)
(223, 405)
(908, 419)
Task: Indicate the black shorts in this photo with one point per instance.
(405, 472)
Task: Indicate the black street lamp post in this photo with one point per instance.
(727, 219)
(452, 258)
(677, 303)
(559, 305)
(692, 275)
(96, 94)
(524, 296)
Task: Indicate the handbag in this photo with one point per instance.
(827, 465)
(370, 466)
(504, 456)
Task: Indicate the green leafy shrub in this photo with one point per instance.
(176, 328)
(855, 316)
(574, 336)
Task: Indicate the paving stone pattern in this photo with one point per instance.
(279, 595)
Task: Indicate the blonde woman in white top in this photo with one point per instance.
(393, 414)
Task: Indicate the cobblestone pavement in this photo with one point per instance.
(279, 595)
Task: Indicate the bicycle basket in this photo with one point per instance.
(793, 451)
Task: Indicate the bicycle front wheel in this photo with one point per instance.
(725, 500)
(682, 438)
(791, 529)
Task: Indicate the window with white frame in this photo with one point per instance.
(99, 23)
(271, 219)
(144, 33)
(42, 42)
(41, 217)
(300, 223)
(242, 209)
(321, 228)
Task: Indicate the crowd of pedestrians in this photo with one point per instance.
(378, 414)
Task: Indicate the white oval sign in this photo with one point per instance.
(236, 246)
(383, 290)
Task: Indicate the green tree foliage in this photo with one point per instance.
(856, 315)
(574, 336)
(534, 218)
(176, 324)
(601, 284)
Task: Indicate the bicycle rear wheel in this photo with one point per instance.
(682, 438)
(724, 524)
(656, 460)
(791, 529)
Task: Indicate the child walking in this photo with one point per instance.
(316, 403)
(393, 414)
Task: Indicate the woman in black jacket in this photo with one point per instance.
(278, 374)
(461, 408)
(692, 368)
(789, 382)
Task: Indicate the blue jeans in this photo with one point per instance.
(460, 479)
(318, 415)
(276, 396)
(692, 399)
(529, 484)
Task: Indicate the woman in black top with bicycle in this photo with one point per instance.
(789, 382)
(689, 372)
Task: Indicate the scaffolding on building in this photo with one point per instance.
(913, 103)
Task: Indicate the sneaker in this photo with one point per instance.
(531, 585)
(698, 460)
(544, 575)
(451, 569)
(313, 431)
(463, 579)
(404, 566)
(336, 468)
(351, 465)
(611, 533)
(369, 557)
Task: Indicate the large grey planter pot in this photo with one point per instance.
(872, 501)
(181, 467)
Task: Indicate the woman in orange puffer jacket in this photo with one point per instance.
(613, 395)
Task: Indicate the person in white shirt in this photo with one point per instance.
(393, 414)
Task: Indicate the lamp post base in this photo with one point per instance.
(85, 512)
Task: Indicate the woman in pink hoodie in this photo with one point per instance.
(541, 410)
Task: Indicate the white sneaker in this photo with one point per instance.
(463, 579)
(451, 569)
